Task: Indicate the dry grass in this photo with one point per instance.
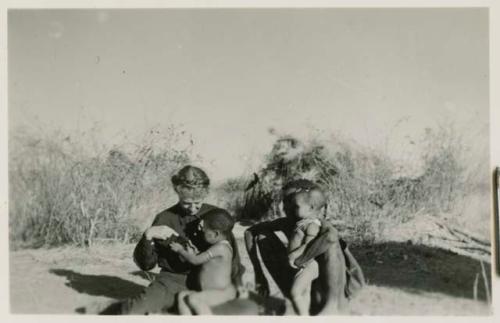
(365, 188)
(63, 191)
(72, 189)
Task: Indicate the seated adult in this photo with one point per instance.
(328, 291)
(181, 220)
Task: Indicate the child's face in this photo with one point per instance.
(300, 208)
(305, 211)
(304, 208)
(209, 235)
(190, 205)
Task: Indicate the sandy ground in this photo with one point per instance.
(402, 279)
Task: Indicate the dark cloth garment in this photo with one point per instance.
(274, 256)
(147, 255)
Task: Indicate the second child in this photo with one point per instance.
(305, 206)
(220, 268)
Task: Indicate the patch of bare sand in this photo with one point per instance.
(70, 280)
(380, 300)
(61, 280)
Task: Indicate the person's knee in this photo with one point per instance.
(181, 296)
(332, 235)
(194, 300)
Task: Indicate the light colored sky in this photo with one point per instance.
(229, 75)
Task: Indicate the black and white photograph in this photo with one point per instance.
(250, 161)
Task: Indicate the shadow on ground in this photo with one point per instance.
(412, 268)
(99, 285)
(417, 269)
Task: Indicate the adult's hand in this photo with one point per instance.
(161, 232)
(177, 247)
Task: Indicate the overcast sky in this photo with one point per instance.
(229, 75)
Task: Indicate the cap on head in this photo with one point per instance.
(191, 182)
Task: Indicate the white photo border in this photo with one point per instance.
(494, 10)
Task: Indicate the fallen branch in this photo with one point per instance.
(459, 232)
(459, 241)
(462, 244)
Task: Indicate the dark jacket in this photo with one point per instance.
(148, 254)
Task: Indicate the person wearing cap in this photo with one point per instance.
(178, 223)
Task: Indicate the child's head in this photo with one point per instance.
(191, 184)
(217, 225)
(303, 199)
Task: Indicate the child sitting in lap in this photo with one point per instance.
(221, 270)
(305, 206)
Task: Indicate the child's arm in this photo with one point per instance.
(197, 259)
(296, 240)
(312, 232)
(298, 248)
(327, 238)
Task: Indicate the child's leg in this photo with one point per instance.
(301, 289)
(201, 302)
(182, 302)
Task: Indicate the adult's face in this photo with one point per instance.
(191, 205)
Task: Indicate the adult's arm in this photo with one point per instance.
(327, 244)
(261, 283)
(145, 255)
(326, 238)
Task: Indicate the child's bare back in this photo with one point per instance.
(216, 277)
(216, 272)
